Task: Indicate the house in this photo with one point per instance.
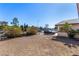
(73, 22)
(3, 23)
(2, 33)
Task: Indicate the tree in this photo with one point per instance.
(67, 27)
(15, 21)
(46, 25)
(40, 29)
(25, 27)
(22, 27)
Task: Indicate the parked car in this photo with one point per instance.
(50, 31)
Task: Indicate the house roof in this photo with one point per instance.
(3, 22)
(71, 21)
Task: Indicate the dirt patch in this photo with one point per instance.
(37, 45)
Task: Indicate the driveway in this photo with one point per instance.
(36, 45)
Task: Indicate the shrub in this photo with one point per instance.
(71, 33)
(31, 30)
(13, 31)
(77, 31)
(1, 27)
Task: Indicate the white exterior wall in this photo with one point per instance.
(75, 27)
(64, 34)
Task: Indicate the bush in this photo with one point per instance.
(12, 31)
(77, 31)
(71, 33)
(1, 27)
(31, 30)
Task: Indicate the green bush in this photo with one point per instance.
(71, 33)
(1, 27)
(12, 31)
(31, 30)
(77, 31)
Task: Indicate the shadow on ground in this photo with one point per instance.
(66, 40)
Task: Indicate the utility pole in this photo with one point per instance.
(77, 4)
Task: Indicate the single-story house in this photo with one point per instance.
(3, 23)
(73, 22)
(2, 33)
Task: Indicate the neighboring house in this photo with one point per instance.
(3, 23)
(2, 33)
(73, 22)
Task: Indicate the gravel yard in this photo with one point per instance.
(36, 45)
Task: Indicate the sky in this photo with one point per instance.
(38, 14)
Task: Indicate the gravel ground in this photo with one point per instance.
(36, 45)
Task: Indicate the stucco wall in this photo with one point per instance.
(75, 26)
(64, 34)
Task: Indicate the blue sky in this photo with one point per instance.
(38, 14)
